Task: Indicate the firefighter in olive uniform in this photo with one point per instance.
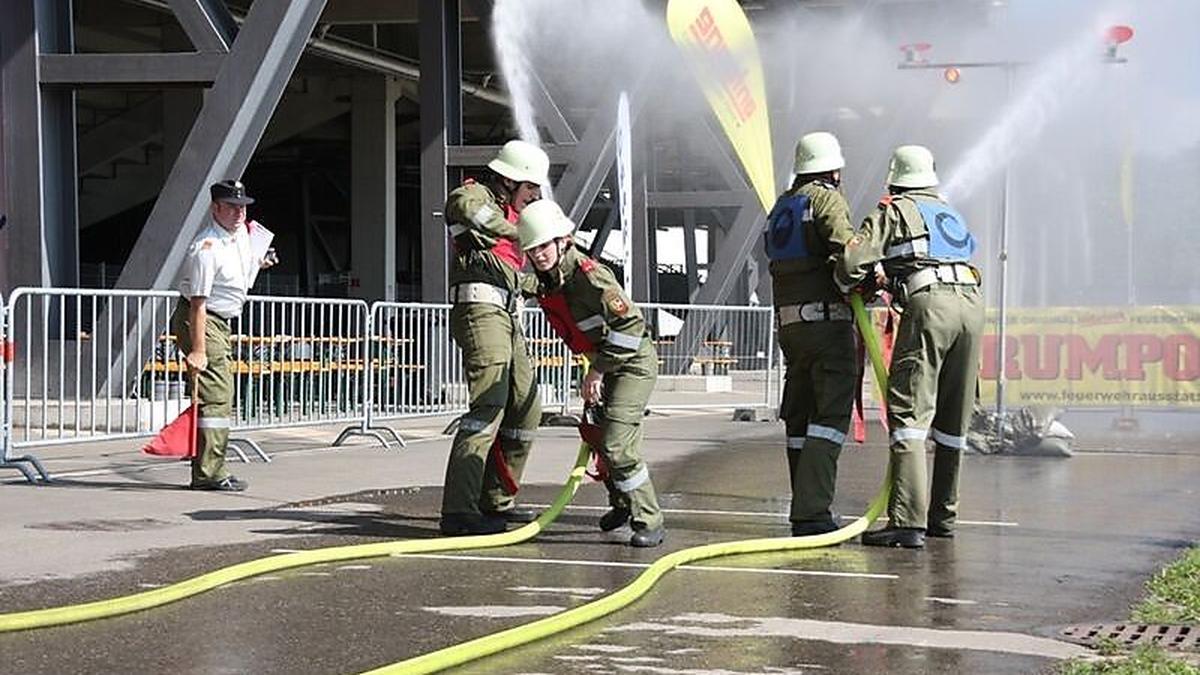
(589, 310)
(925, 248)
(806, 229)
(216, 276)
(482, 474)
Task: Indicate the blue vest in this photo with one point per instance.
(787, 226)
(949, 238)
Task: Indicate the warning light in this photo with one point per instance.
(952, 74)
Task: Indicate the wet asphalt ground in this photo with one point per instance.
(1044, 543)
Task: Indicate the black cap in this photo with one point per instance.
(230, 192)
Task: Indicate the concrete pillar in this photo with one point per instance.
(373, 186)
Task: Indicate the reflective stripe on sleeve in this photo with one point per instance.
(795, 442)
(592, 322)
(908, 249)
(484, 214)
(623, 340)
(518, 434)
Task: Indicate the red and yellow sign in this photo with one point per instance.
(1097, 357)
(719, 43)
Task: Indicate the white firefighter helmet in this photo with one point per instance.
(541, 222)
(523, 162)
(818, 152)
(912, 167)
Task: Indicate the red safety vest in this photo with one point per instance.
(558, 314)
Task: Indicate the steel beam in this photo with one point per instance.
(723, 274)
(39, 148)
(235, 114)
(441, 126)
(691, 266)
(208, 24)
(182, 69)
(549, 113)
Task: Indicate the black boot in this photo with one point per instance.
(516, 514)
(459, 524)
(805, 528)
(939, 531)
(616, 517)
(648, 538)
(903, 537)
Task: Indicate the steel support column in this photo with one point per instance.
(230, 124)
(208, 24)
(691, 266)
(39, 148)
(373, 177)
(441, 126)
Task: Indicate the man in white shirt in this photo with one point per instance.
(217, 274)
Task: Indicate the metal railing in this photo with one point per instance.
(416, 370)
(726, 352)
(551, 359)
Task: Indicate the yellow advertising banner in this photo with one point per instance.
(1097, 357)
(716, 38)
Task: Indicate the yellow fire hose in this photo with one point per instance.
(496, 642)
(57, 616)
(535, 630)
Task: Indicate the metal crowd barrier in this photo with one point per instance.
(551, 359)
(89, 365)
(416, 370)
(302, 362)
(28, 465)
(728, 352)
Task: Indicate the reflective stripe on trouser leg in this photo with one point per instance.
(943, 494)
(518, 428)
(215, 394)
(484, 333)
(629, 483)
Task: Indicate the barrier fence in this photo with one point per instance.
(87, 365)
(731, 349)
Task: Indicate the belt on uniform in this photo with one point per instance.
(960, 274)
(814, 311)
(482, 292)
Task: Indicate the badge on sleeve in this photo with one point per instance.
(616, 302)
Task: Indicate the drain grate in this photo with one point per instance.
(1186, 638)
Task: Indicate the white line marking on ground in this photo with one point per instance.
(606, 563)
(552, 590)
(708, 626)
(496, 611)
(607, 649)
(146, 584)
(285, 550)
(762, 514)
(353, 567)
(951, 601)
